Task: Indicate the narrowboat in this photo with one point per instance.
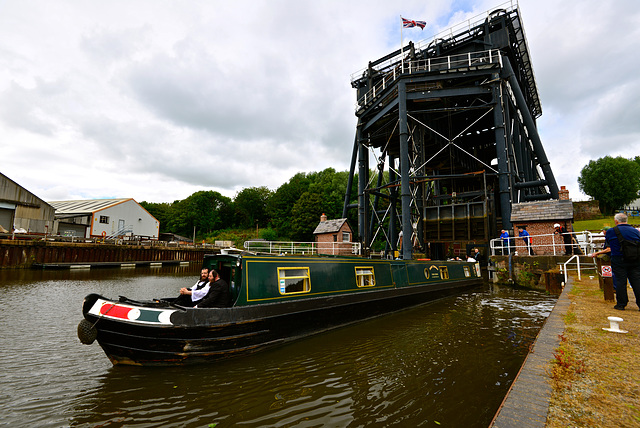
(275, 300)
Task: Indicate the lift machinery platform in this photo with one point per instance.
(450, 129)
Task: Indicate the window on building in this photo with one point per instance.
(335, 238)
(346, 237)
(104, 219)
(365, 277)
(294, 280)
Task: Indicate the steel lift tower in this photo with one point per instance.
(450, 129)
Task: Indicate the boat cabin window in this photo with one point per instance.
(467, 272)
(294, 280)
(365, 277)
(444, 272)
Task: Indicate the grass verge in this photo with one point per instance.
(594, 373)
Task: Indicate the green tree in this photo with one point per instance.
(251, 206)
(614, 182)
(161, 211)
(331, 186)
(281, 203)
(205, 211)
(306, 216)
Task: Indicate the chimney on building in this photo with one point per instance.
(323, 217)
(563, 194)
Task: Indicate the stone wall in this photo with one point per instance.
(586, 210)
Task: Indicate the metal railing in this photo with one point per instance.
(303, 248)
(448, 33)
(450, 62)
(123, 231)
(586, 241)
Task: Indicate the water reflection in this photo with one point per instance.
(413, 368)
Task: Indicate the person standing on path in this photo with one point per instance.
(622, 269)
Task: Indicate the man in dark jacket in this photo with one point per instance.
(622, 269)
(566, 238)
(219, 295)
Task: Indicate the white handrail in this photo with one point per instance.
(565, 267)
(585, 240)
(305, 248)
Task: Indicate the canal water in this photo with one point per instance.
(448, 363)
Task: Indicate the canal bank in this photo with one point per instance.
(527, 402)
(19, 254)
(576, 373)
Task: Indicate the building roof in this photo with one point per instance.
(330, 226)
(85, 207)
(12, 192)
(542, 211)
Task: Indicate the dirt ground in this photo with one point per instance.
(595, 373)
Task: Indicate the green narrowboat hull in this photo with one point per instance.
(275, 300)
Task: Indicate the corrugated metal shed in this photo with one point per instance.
(541, 211)
(10, 191)
(23, 209)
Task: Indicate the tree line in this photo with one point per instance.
(291, 212)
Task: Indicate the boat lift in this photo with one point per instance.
(449, 127)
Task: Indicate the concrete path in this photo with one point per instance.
(527, 402)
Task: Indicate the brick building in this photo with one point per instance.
(333, 236)
(538, 218)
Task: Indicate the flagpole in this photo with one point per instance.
(401, 47)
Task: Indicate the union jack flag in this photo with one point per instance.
(408, 23)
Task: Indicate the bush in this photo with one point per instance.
(269, 234)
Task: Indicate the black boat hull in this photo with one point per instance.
(200, 335)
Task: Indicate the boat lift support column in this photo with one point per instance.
(405, 195)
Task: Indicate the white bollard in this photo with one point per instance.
(614, 325)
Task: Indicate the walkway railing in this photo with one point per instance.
(548, 244)
(450, 62)
(303, 248)
(447, 33)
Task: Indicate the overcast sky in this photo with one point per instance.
(155, 100)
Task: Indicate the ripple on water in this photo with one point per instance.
(407, 369)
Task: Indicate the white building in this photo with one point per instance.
(105, 217)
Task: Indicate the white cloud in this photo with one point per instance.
(156, 100)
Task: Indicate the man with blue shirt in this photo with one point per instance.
(504, 237)
(526, 238)
(622, 269)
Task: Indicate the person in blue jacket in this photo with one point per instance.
(522, 232)
(623, 270)
(504, 237)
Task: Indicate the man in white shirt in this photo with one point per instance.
(191, 296)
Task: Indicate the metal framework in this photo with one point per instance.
(451, 129)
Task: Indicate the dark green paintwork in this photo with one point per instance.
(330, 275)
